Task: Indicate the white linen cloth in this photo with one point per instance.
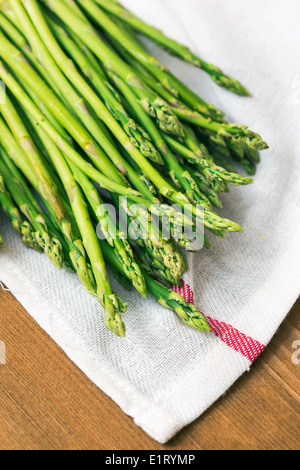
(164, 374)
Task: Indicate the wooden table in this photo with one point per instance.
(47, 403)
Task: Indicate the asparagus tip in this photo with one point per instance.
(232, 85)
(116, 325)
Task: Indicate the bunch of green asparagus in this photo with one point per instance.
(87, 107)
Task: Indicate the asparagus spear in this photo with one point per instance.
(111, 304)
(238, 134)
(72, 154)
(121, 247)
(154, 105)
(209, 168)
(51, 245)
(47, 187)
(192, 142)
(77, 253)
(136, 133)
(166, 297)
(169, 299)
(21, 226)
(252, 155)
(8, 51)
(77, 130)
(124, 281)
(13, 33)
(173, 46)
(133, 46)
(203, 183)
(18, 176)
(19, 40)
(147, 234)
(188, 97)
(183, 177)
(155, 267)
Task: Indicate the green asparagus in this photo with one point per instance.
(107, 159)
(173, 46)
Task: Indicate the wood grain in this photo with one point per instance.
(47, 403)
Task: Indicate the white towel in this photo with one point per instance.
(164, 374)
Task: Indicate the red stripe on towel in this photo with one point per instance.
(243, 344)
(186, 292)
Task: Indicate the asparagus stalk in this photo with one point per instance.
(211, 221)
(124, 281)
(140, 185)
(70, 152)
(146, 167)
(111, 304)
(139, 138)
(186, 311)
(155, 267)
(203, 183)
(176, 172)
(154, 105)
(51, 245)
(22, 227)
(121, 247)
(252, 155)
(211, 170)
(14, 34)
(76, 101)
(129, 42)
(173, 46)
(166, 297)
(191, 141)
(125, 39)
(221, 161)
(189, 97)
(47, 187)
(8, 51)
(76, 250)
(147, 78)
(143, 229)
(19, 177)
(237, 132)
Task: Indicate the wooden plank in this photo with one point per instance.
(47, 403)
